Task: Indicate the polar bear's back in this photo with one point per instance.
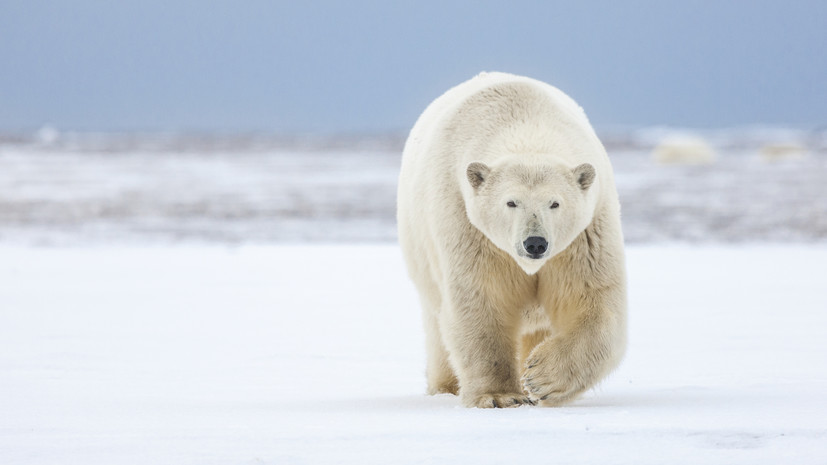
(466, 123)
(438, 115)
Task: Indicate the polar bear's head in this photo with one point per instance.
(532, 212)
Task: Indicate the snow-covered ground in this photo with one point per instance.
(312, 354)
(182, 301)
(259, 194)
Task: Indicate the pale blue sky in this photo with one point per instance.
(372, 66)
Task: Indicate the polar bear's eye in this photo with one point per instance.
(554, 205)
(511, 204)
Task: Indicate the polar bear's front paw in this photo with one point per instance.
(550, 381)
(505, 400)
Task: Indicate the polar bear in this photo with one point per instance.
(509, 223)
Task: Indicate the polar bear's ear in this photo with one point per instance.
(477, 172)
(584, 174)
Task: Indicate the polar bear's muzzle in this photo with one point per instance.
(535, 247)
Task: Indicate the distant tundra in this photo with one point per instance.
(509, 222)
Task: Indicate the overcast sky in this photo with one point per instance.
(360, 66)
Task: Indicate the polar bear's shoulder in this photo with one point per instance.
(498, 80)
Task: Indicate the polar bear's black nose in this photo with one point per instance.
(536, 246)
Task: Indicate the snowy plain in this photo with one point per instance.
(217, 355)
(251, 307)
(251, 191)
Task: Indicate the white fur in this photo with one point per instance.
(492, 313)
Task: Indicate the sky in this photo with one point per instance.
(373, 66)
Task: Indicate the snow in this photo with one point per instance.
(181, 300)
(243, 194)
(313, 354)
